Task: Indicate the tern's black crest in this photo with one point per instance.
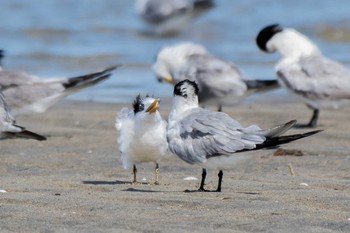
(266, 34)
(181, 90)
(138, 104)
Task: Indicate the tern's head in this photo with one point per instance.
(185, 94)
(171, 59)
(266, 34)
(287, 41)
(145, 106)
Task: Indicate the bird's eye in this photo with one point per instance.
(141, 107)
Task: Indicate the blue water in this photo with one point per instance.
(71, 37)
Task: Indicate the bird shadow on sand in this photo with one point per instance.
(120, 182)
(140, 190)
(103, 182)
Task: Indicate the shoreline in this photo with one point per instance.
(74, 181)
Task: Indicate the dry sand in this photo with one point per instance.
(74, 181)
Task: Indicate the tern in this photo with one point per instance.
(214, 139)
(303, 70)
(141, 134)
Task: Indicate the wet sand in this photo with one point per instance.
(74, 181)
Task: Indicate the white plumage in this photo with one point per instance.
(142, 134)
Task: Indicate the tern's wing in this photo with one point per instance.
(125, 128)
(272, 132)
(216, 76)
(204, 134)
(25, 97)
(316, 77)
(10, 79)
(29, 94)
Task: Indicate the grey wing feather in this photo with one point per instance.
(272, 132)
(23, 95)
(10, 79)
(317, 77)
(215, 75)
(206, 134)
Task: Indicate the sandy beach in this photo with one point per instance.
(74, 181)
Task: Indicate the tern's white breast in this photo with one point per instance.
(149, 143)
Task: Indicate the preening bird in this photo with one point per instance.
(214, 139)
(141, 134)
(219, 81)
(303, 70)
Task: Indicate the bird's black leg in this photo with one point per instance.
(201, 188)
(220, 108)
(313, 121)
(156, 171)
(134, 170)
(220, 175)
(204, 174)
(314, 118)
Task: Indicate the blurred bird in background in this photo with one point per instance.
(28, 94)
(303, 70)
(218, 80)
(168, 17)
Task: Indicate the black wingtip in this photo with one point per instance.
(275, 141)
(28, 135)
(312, 133)
(36, 136)
(90, 79)
(266, 34)
(204, 4)
(112, 68)
(261, 84)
